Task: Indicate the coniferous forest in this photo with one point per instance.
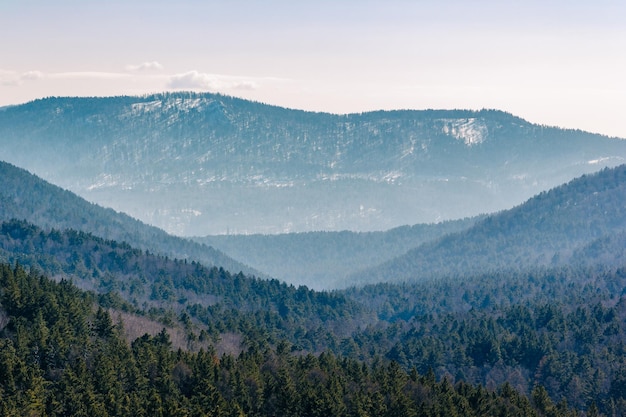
(516, 313)
(63, 354)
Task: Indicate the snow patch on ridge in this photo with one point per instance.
(147, 107)
(176, 104)
(604, 159)
(389, 177)
(103, 181)
(193, 212)
(472, 131)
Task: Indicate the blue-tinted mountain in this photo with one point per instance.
(322, 260)
(24, 196)
(581, 223)
(199, 164)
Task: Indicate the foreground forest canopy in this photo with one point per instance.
(63, 355)
(560, 331)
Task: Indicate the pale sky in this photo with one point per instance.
(560, 63)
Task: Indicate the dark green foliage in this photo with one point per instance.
(559, 328)
(91, 371)
(224, 302)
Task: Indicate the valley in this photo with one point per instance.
(514, 308)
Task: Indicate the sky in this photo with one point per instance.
(554, 62)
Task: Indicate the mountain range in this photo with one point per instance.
(580, 223)
(201, 164)
(521, 299)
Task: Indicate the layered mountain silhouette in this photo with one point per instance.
(24, 196)
(581, 223)
(199, 164)
(322, 260)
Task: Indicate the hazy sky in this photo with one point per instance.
(560, 63)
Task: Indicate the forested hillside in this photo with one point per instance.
(559, 328)
(549, 333)
(255, 310)
(535, 334)
(322, 260)
(24, 196)
(59, 356)
(567, 225)
(200, 164)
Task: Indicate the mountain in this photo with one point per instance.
(322, 260)
(200, 164)
(25, 196)
(579, 223)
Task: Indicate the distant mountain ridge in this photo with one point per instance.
(581, 223)
(198, 164)
(322, 260)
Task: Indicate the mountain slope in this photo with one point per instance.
(104, 266)
(199, 164)
(322, 260)
(553, 228)
(26, 197)
(60, 356)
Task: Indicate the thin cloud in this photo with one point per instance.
(87, 75)
(204, 81)
(20, 86)
(31, 75)
(13, 78)
(8, 78)
(145, 66)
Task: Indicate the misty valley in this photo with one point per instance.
(186, 254)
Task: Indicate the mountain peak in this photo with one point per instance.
(257, 168)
